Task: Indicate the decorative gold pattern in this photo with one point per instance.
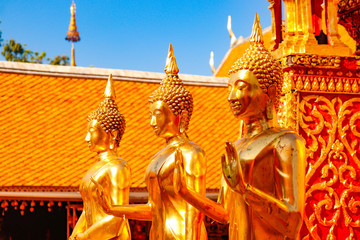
(349, 17)
(326, 84)
(331, 127)
(310, 60)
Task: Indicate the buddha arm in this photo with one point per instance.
(210, 208)
(80, 226)
(195, 171)
(193, 217)
(284, 214)
(117, 180)
(141, 212)
(187, 187)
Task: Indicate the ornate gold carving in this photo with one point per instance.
(331, 130)
(309, 60)
(349, 17)
(326, 84)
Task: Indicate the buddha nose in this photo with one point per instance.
(87, 138)
(232, 95)
(153, 121)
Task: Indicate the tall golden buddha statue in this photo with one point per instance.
(262, 191)
(105, 129)
(171, 106)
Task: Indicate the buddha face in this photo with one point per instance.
(246, 98)
(97, 138)
(163, 121)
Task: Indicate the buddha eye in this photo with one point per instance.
(158, 112)
(241, 85)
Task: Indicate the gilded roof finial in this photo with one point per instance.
(232, 35)
(110, 90)
(171, 66)
(211, 62)
(256, 35)
(72, 35)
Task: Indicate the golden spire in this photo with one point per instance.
(110, 90)
(171, 66)
(72, 35)
(256, 35)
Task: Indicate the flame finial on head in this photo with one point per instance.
(256, 34)
(110, 90)
(171, 66)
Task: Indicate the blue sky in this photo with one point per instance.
(132, 34)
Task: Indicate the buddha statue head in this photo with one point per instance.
(106, 124)
(255, 80)
(171, 105)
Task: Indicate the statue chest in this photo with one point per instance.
(258, 163)
(87, 187)
(159, 175)
(161, 169)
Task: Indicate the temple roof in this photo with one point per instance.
(43, 123)
(242, 44)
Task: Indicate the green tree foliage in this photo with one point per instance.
(16, 52)
(63, 60)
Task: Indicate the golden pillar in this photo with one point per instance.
(299, 35)
(321, 102)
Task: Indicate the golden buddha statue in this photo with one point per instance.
(105, 129)
(262, 190)
(171, 106)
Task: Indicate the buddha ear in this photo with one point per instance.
(270, 103)
(113, 137)
(183, 117)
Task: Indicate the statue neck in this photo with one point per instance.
(254, 125)
(107, 155)
(175, 140)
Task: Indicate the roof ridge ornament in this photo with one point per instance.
(231, 33)
(171, 67)
(256, 34)
(110, 89)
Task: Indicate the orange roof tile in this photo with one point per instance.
(43, 126)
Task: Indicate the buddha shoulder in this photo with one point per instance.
(194, 158)
(119, 169)
(289, 144)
